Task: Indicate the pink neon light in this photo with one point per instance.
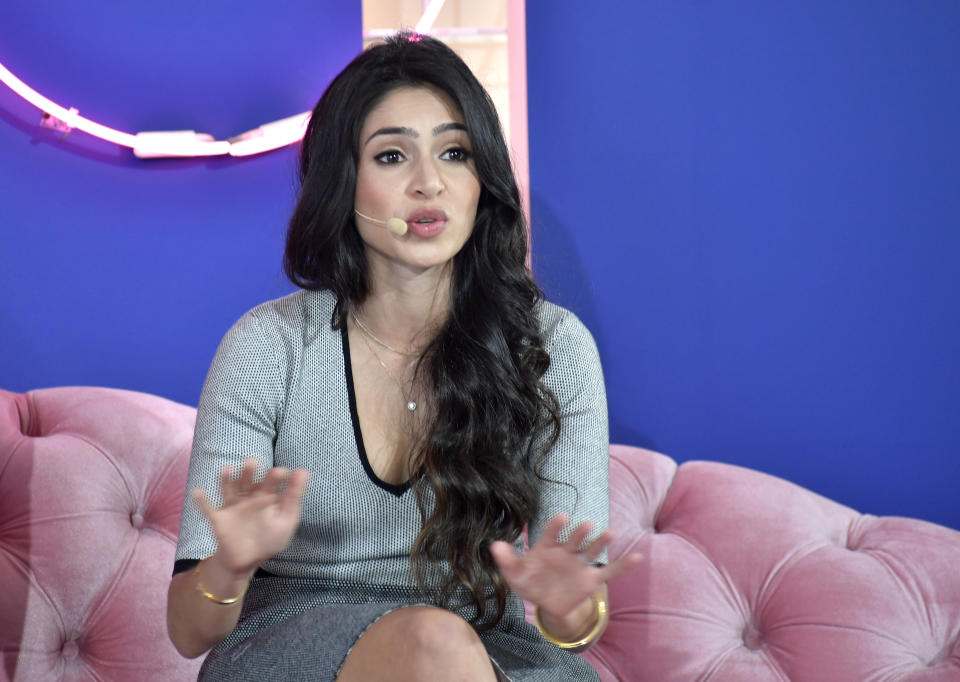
(181, 143)
(68, 116)
(429, 16)
(169, 143)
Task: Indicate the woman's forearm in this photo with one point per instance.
(197, 622)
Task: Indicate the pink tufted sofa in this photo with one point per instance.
(747, 577)
(91, 485)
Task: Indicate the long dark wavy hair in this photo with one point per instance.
(476, 472)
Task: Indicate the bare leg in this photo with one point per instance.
(418, 643)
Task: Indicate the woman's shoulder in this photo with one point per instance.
(560, 327)
(283, 327)
(574, 358)
(292, 314)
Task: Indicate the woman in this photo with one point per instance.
(437, 402)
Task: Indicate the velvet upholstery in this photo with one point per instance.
(746, 577)
(91, 485)
(750, 577)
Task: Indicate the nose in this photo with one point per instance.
(427, 180)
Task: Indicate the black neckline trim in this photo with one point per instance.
(183, 565)
(394, 489)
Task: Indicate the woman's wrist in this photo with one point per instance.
(219, 583)
(583, 642)
(571, 626)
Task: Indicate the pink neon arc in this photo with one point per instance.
(183, 143)
(68, 116)
(173, 143)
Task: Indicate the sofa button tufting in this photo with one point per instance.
(136, 520)
(752, 639)
(70, 650)
(941, 656)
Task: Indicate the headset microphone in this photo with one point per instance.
(397, 226)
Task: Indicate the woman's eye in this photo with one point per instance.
(389, 157)
(456, 154)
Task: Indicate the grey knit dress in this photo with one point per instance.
(280, 389)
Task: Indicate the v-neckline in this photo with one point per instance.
(397, 489)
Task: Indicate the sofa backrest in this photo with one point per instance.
(91, 486)
(751, 577)
(746, 576)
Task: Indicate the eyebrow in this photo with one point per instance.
(452, 125)
(410, 132)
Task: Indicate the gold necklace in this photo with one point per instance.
(367, 332)
(411, 404)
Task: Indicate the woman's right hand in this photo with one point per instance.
(256, 520)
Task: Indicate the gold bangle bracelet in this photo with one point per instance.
(206, 593)
(586, 639)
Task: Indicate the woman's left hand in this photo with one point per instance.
(559, 576)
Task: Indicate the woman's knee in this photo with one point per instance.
(434, 633)
(418, 642)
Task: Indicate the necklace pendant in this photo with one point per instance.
(411, 406)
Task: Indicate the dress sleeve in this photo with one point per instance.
(577, 467)
(236, 418)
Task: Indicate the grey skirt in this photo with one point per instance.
(295, 629)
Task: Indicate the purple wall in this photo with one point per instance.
(753, 206)
(752, 209)
(120, 272)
